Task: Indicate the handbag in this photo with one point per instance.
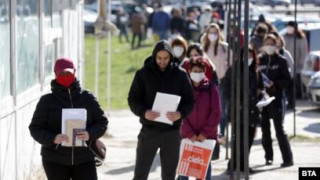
(99, 151)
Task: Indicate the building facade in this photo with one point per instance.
(33, 34)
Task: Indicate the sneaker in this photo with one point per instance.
(269, 162)
(287, 164)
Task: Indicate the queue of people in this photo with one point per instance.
(200, 73)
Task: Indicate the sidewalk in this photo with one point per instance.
(124, 128)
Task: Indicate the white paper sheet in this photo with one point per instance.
(73, 120)
(164, 103)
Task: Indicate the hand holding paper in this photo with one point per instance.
(60, 138)
(166, 105)
(173, 116)
(151, 115)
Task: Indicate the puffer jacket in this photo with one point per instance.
(46, 123)
(149, 80)
(205, 116)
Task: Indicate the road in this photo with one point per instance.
(124, 127)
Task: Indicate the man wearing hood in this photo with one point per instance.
(160, 73)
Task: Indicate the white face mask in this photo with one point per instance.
(197, 77)
(290, 30)
(250, 60)
(270, 50)
(212, 37)
(178, 51)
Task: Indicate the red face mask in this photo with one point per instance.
(65, 80)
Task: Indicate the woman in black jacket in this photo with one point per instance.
(60, 162)
(275, 67)
(255, 88)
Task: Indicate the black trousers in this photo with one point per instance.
(252, 130)
(274, 111)
(149, 141)
(134, 38)
(55, 171)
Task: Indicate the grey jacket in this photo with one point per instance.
(301, 51)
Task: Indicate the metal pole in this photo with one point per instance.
(238, 123)
(229, 48)
(246, 93)
(96, 90)
(295, 69)
(233, 100)
(109, 62)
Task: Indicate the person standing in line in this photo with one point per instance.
(161, 23)
(160, 73)
(202, 123)
(138, 21)
(301, 52)
(275, 67)
(195, 50)
(179, 46)
(217, 51)
(59, 162)
(286, 54)
(192, 28)
(205, 18)
(255, 89)
(261, 30)
(177, 23)
(122, 24)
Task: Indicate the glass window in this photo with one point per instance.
(27, 44)
(49, 47)
(4, 49)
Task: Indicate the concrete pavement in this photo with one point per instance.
(124, 127)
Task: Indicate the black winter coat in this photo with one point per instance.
(46, 123)
(276, 69)
(149, 80)
(255, 85)
(177, 25)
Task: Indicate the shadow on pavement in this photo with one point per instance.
(222, 176)
(155, 165)
(315, 128)
(311, 113)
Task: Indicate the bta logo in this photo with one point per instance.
(196, 160)
(309, 173)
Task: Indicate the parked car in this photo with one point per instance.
(311, 67)
(89, 18)
(314, 88)
(272, 3)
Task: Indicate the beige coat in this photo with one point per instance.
(221, 59)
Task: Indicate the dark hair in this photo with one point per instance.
(197, 62)
(255, 63)
(261, 28)
(299, 33)
(195, 46)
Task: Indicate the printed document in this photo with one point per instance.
(73, 121)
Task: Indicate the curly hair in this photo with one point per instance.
(198, 62)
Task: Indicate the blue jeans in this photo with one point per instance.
(162, 34)
(223, 111)
(208, 176)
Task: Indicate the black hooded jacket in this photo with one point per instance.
(255, 85)
(149, 80)
(46, 123)
(276, 69)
